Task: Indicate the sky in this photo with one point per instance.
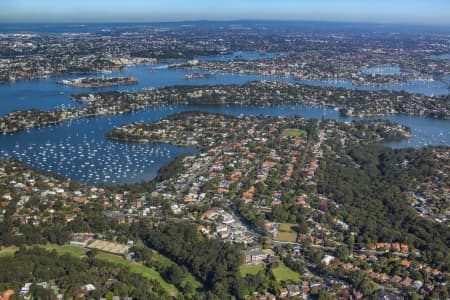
(427, 12)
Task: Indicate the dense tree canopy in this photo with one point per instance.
(213, 262)
(372, 197)
(37, 265)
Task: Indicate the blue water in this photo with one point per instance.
(442, 56)
(429, 88)
(77, 149)
(240, 55)
(382, 70)
(46, 94)
(78, 27)
(306, 26)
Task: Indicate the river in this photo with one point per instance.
(78, 150)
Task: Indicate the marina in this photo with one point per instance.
(78, 150)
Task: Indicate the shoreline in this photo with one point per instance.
(25, 126)
(87, 82)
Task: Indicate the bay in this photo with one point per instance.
(46, 94)
(78, 150)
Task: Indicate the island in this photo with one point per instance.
(86, 82)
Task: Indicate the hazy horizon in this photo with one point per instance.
(413, 12)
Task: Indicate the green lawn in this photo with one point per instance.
(67, 249)
(250, 269)
(286, 233)
(7, 251)
(294, 132)
(165, 261)
(283, 273)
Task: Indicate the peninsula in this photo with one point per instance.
(86, 82)
(259, 93)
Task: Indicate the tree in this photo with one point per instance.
(368, 287)
(280, 214)
(142, 254)
(316, 255)
(188, 288)
(342, 252)
(92, 253)
(216, 264)
(175, 274)
(323, 294)
(38, 292)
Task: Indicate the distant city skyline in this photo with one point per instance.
(431, 12)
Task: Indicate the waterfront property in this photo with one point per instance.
(96, 82)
